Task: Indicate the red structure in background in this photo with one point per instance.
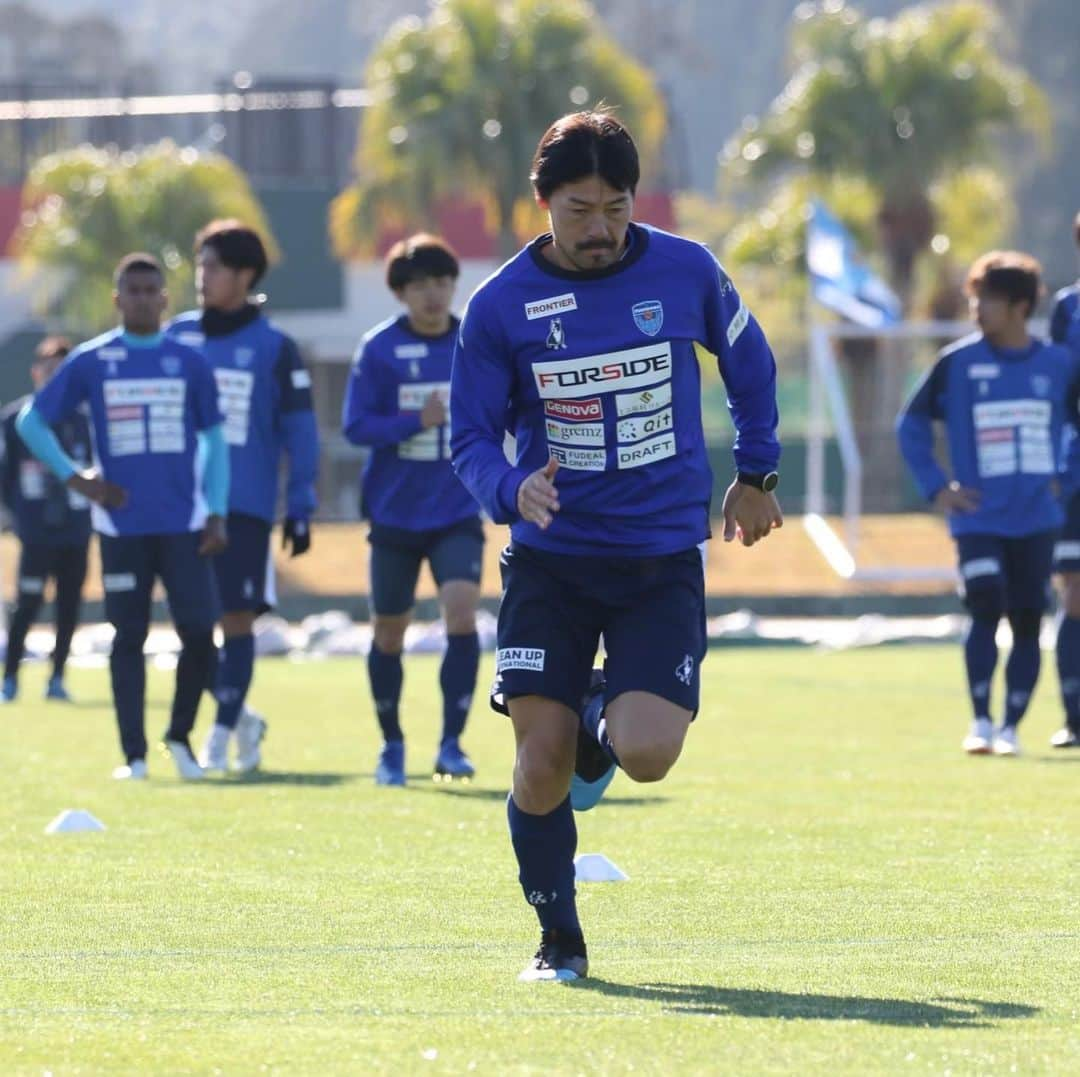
(10, 204)
(462, 224)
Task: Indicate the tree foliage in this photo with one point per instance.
(461, 100)
(86, 208)
(903, 104)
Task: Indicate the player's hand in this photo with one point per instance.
(433, 412)
(94, 488)
(296, 532)
(214, 537)
(537, 498)
(956, 498)
(750, 514)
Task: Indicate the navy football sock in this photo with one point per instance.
(385, 673)
(1068, 664)
(457, 679)
(1021, 673)
(980, 658)
(236, 664)
(544, 846)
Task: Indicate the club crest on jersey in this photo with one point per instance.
(171, 365)
(414, 369)
(556, 337)
(244, 357)
(648, 316)
(1040, 384)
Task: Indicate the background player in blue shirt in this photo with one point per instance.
(53, 525)
(265, 395)
(1065, 330)
(396, 404)
(1005, 399)
(583, 346)
(152, 404)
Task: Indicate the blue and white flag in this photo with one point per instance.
(839, 279)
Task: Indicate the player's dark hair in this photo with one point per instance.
(584, 144)
(1013, 275)
(51, 347)
(419, 256)
(237, 245)
(138, 262)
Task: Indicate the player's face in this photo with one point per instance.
(427, 300)
(995, 315)
(220, 287)
(140, 297)
(589, 219)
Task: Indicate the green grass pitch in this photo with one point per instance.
(824, 884)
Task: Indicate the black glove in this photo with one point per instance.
(297, 532)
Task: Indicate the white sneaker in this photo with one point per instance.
(215, 752)
(1005, 741)
(1065, 737)
(250, 732)
(135, 771)
(186, 764)
(979, 740)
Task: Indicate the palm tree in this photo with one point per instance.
(461, 99)
(86, 208)
(902, 103)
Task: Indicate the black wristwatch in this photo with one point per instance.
(766, 483)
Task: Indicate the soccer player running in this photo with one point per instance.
(1004, 398)
(1065, 330)
(265, 395)
(53, 526)
(583, 344)
(396, 404)
(154, 413)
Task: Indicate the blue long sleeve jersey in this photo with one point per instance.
(264, 392)
(148, 398)
(598, 370)
(44, 511)
(407, 481)
(1005, 413)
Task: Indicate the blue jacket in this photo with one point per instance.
(44, 511)
(265, 395)
(599, 370)
(149, 400)
(407, 481)
(1005, 414)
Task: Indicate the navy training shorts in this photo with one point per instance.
(454, 553)
(650, 612)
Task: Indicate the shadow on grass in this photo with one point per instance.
(84, 704)
(317, 779)
(425, 784)
(735, 1002)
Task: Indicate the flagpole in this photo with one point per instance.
(815, 454)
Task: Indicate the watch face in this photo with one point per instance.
(768, 483)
